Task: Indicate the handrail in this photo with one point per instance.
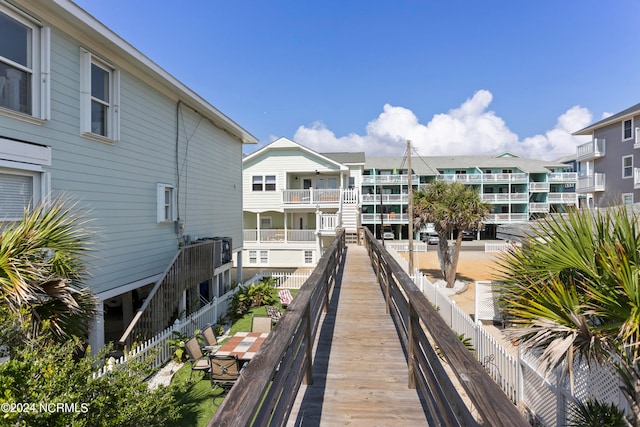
(265, 391)
(419, 324)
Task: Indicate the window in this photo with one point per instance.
(167, 203)
(24, 65)
(627, 198)
(265, 222)
(627, 166)
(308, 257)
(263, 183)
(100, 97)
(253, 257)
(264, 257)
(627, 127)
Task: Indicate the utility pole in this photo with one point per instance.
(410, 213)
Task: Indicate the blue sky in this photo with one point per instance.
(455, 77)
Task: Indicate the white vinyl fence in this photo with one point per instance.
(548, 399)
(207, 315)
(287, 280)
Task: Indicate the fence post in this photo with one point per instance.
(414, 322)
(308, 377)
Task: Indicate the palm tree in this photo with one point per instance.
(42, 268)
(573, 289)
(449, 207)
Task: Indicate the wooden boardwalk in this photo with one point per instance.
(360, 371)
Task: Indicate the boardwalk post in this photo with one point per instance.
(308, 377)
(414, 322)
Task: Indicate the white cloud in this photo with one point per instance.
(469, 129)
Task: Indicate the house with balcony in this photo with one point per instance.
(608, 173)
(518, 189)
(294, 201)
(85, 114)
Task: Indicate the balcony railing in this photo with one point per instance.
(504, 197)
(564, 177)
(506, 177)
(328, 222)
(319, 196)
(591, 150)
(508, 217)
(368, 218)
(591, 183)
(386, 198)
(466, 178)
(389, 179)
(565, 198)
(538, 187)
(278, 235)
(538, 207)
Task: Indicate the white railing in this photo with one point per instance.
(467, 178)
(536, 207)
(350, 196)
(386, 198)
(508, 217)
(504, 197)
(301, 235)
(389, 179)
(539, 186)
(591, 150)
(207, 315)
(288, 280)
(505, 177)
(590, 183)
(311, 196)
(387, 218)
(516, 372)
(278, 235)
(328, 222)
(562, 198)
(562, 177)
(404, 246)
(498, 246)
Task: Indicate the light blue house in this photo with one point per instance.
(155, 166)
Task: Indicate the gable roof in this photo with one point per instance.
(286, 143)
(618, 117)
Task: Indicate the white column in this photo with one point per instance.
(96, 331)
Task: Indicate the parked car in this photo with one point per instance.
(387, 233)
(431, 238)
(468, 235)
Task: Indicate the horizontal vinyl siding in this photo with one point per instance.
(115, 183)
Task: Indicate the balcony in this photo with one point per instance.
(465, 178)
(279, 235)
(563, 198)
(369, 218)
(538, 207)
(539, 187)
(504, 197)
(386, 198)
(322, 197)
(505, 178)
(591, 150)
(503, 218)
(590, 183)
(562, 177)
(389, 179)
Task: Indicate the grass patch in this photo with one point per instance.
(198, 402)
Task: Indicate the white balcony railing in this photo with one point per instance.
(508, 217)
(591, 150)
(386, 218)
(564, 198)
(319, 196)
(278, 235)
(538, 207)
(506, 177)
(504, 197)
(389, 179)
(328, 222)
(386, 198)
(539, 187)
(466, 178)
(563, 177)
(591, 183)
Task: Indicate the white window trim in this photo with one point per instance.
(113, 119)
(304, 257)
(260, 257)
(40, 69)
(631, 136)
(625, 195)
(630, 166)
(161, 218)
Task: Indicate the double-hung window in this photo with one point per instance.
(263, 183)
(627, 129)
(24, 66)
(627, 167)
(167, 203)
(100, 97)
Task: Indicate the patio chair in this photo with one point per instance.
(210, 339)
(285, 297)
(225, 370)
(260, 324)
(199, 362)
(274, 313)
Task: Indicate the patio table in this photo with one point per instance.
(243, 344)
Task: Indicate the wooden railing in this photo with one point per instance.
(192, 265)
(267, 388)
(419, 325)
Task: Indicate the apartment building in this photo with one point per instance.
(608, 173)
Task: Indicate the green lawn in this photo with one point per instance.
(197, 399)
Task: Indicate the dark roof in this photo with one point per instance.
(346, 158)
(611, 119)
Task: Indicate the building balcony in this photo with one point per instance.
(368, 218)
(591, 150)
(504, 218)
(538, 207)
(279, 235)
(505, 178)
(322, 197)
(504, 197)
(386, 199)
(563, 198)
(562, 177)
(539, 187)
(590, 183)
(389, 179)
(465, 178)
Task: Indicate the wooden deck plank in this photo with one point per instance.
(360, 372)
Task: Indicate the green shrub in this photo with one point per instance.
(592, 413)
(252, 296)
